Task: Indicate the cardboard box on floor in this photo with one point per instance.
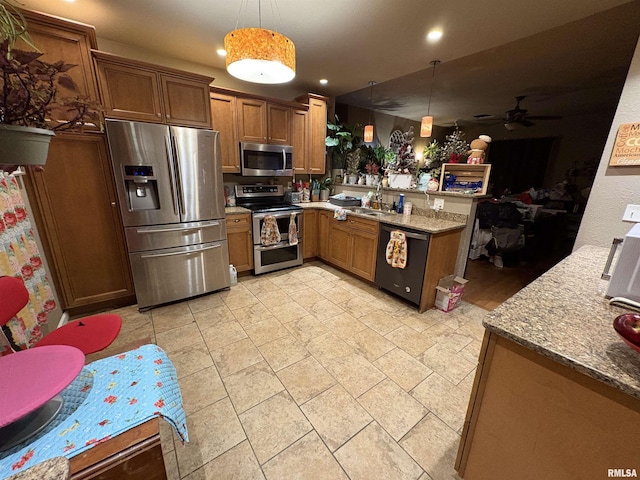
(449, 292)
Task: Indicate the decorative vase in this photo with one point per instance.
(372, 180)
(400, 180)
(361, 180)
(337, 174)
(24, 145)
(353, 179)
(324, 195)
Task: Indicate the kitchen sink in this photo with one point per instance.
(368, 211)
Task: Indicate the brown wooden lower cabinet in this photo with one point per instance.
(310, 234)
(530, 418)
(239, 241)
(77, 216)
(135, 454)
(352, 245)
(324, 218)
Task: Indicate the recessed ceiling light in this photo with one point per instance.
(434, 35)
(324, 81)
(222, 52)
(70, 1)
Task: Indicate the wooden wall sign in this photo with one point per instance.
(626, 149)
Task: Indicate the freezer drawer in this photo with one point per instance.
(407, 282)
(140, 239)
(162, 276)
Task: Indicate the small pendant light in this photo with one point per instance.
(426, 126)
(368, 129)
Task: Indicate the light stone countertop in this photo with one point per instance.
(565, 316)
(235, 210)
(424, 220)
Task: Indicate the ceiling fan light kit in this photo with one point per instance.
(426, 125)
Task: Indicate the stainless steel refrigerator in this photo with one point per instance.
(169, 182)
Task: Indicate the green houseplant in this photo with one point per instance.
(30, 97)
(341, 139)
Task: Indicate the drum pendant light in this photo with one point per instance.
(368, 129)
(426, 126)
(259, 55)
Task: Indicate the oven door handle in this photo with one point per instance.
(260, 216)
(262, 248)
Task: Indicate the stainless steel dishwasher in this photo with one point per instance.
(404, 282)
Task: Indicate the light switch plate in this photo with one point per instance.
(438, 204)
(632, 213)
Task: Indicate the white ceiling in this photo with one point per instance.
(570, 56)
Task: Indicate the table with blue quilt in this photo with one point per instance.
(110, 415)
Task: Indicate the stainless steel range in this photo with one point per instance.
(268, 201)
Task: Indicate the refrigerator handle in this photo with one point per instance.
(174, 142)
(167, 147)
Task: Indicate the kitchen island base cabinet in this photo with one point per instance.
(240, 242)
(532, 418)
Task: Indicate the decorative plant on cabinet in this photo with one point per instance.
(31, 109)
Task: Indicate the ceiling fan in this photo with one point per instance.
(518, 116)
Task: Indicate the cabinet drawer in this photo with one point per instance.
(363, 224)
(238, 222)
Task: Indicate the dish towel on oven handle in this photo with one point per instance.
(396, 252)
(293, 230)
(269, 235)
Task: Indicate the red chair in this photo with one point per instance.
(89, 334)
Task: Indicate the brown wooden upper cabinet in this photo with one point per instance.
(132, 90)
(263, 122)
(315, 162)
(224, 120)
(300, 140)
(71, 42)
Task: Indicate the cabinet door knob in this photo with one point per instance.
(236, 220)
(158, 114)
(168, 116)
(113, 204)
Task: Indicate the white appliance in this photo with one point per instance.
(625, 280)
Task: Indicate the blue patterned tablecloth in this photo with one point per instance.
(107, 398)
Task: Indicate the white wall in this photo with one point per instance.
(614, 187)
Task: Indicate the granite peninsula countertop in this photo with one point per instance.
(428, 221)
(565, 316)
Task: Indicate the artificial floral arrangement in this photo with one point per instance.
(432, 160)
(372, 168)
(405, 160)
(454, 147)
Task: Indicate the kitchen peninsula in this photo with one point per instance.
(557, 392)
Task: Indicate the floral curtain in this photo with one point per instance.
(19, 257)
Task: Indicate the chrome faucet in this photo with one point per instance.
(378, 197)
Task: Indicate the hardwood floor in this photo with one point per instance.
(489, 286)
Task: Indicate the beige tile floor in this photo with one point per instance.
(308, 373)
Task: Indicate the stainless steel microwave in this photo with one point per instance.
(264, 160)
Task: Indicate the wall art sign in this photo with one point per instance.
(626, 149)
